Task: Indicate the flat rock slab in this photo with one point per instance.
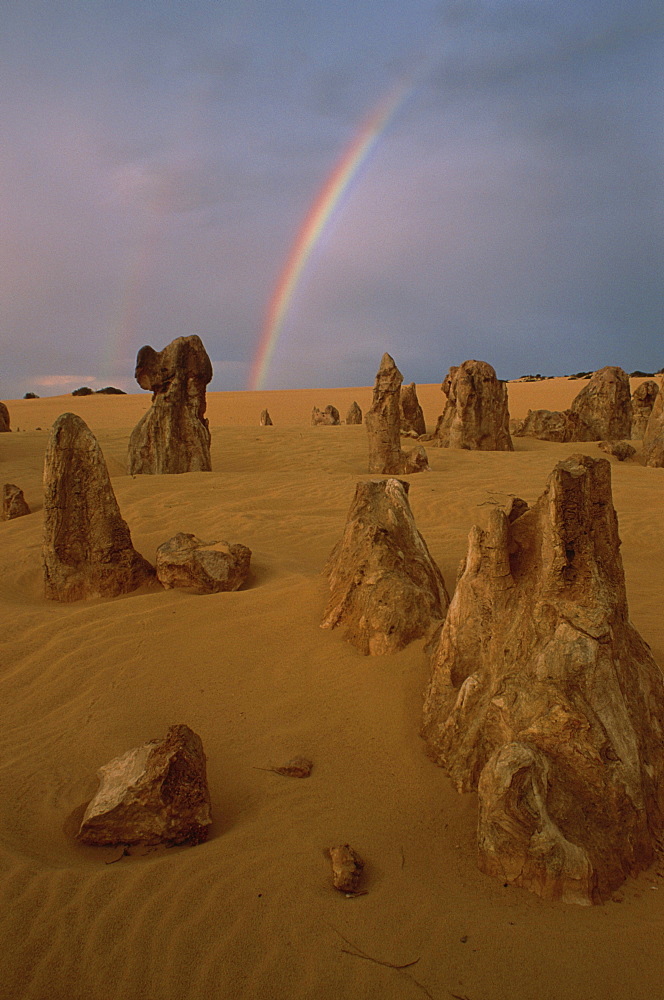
(187, 563)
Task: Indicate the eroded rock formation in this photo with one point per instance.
(384, 585)
(266, 419)
(87, 550)
(476, 415)
(653, 438)
(329, 417)
(544, 697)
(4, 418)
(412, 415)
(383, 422)
(547, 425)
(604, 407)
(186, 563)
(173, 436)
(622, 450)
(643, 400)
(354, 415)
(13, 502)
(156, 793)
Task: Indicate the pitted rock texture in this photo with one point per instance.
(156, 793)
(412, 415)
(604, 407)
(187, 563)
(476, 415)
(173, 436)
(384, 586)
(87, 550)
(383, 423)
(548, 425)
(643, 400)
(544, 697)
(622, 450)
(354, 415)
(329, 417)
(13, 502)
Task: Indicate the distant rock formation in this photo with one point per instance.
(621, 450)
(604, 407)
(4, 418)
(87, 550)
(186, 563)
(643, 400)
(13, 502)
(329, 417)
(476, 415)
(384, 585)
(544, 697)
(173, 436)
(412, 415)
(653, 437)
(354, 415)
(547, 425)
(383, 422)
(156, 793)
(266, 419)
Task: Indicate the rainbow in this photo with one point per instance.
(317, 221)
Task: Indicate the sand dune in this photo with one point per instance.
(251, 913)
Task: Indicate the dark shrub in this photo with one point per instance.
(83, 391)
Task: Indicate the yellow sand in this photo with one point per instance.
(251, 913)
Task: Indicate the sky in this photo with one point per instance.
(159, 162)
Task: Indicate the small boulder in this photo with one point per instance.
(643, 400)
(187, 563)
(13, 502)
(412, 415)
(621, 450)
(354, 415)
(476, 415)
(156, 793)
(329, 417)
(347, 868)
(4, 418)
(547, 425)
(266, 419)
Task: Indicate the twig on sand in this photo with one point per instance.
(359, 953)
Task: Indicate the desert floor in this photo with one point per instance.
(251, 913)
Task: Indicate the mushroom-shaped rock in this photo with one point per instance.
(187, 563)
(476, 415)
(354, 415)
(412, 415)
(156, 793)
(173, 436)
(4, 418)
(87, 550)
(544, 697)
(266, 419)
(329, 417)
(643, 400)
(604, 407)
(384, 586)
(383, 422)
(653, 438)
(13, 502)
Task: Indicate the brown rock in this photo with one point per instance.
(544, 697)
(547, 425)
(156, 793)
(187, 563)
(384, 585)
(621, 450)
(266, 419)
(604, 407)
(347, 867)
(354, 415)
(653, 438)
(4, 418)
(173, 436)
(476, 416)
(643, 400)
(13, 502)
(329, 417)
(383, 423)
(87, 550)
(412, 415)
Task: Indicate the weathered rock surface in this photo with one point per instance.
(622, 450)
(347, 868)
(329, 417)
(4, 419)
(13, 502)
(156, 793)
(547, 425)
(544, 697)
(187, 563)
(87, 550)
(643, 400)
(354, 415)
(604, 407)
(384, 585)
(266, 419)
(173, 436)
(412, 415)
(383, 422)
(476, 415)
(653, 438)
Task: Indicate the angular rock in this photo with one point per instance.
(383, 423)
(548, 425)
(156, 793)
(266, 419)
(87, 550)
(412, 415)
(621, 450)
(13, 502)
(187, 563)
(544, 697)
(653, 438)
(643, 400)
(476, 415)
(329, 417)
(354, 415)
(4, 418)
(173, 436)
(604, 407)
(384, 585)
(347, 868)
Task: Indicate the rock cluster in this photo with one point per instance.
(383, 422)
(544, 697)
(354, 415)
(87, 550)
(156, 793)
(412, 415)
(173, 436)
(601, 411)
(384, 586)
(13, 502)
(4, 418)
(476, 415)
(643, 400)
(329, 417)
(187, 563)
(653, 438)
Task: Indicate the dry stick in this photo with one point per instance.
(358, 953)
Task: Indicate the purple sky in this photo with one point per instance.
(158, 160)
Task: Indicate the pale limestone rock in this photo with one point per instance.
(643, 400)
(383, 422)
(412, 415)
(476, 415)
(354, 415)
(329, 417)
(347, 867)
(384, 586)
(13, 502)
(156, 793)
(266, 419)
(187, 563)
(87, 550)
(604, 407)
(173, 436)
(653, 438)
(544, 697)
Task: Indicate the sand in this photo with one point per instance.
(251, 913)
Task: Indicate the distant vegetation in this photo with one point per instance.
(85, 390)
(110, 390)
(31, 395)
(533, 378)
